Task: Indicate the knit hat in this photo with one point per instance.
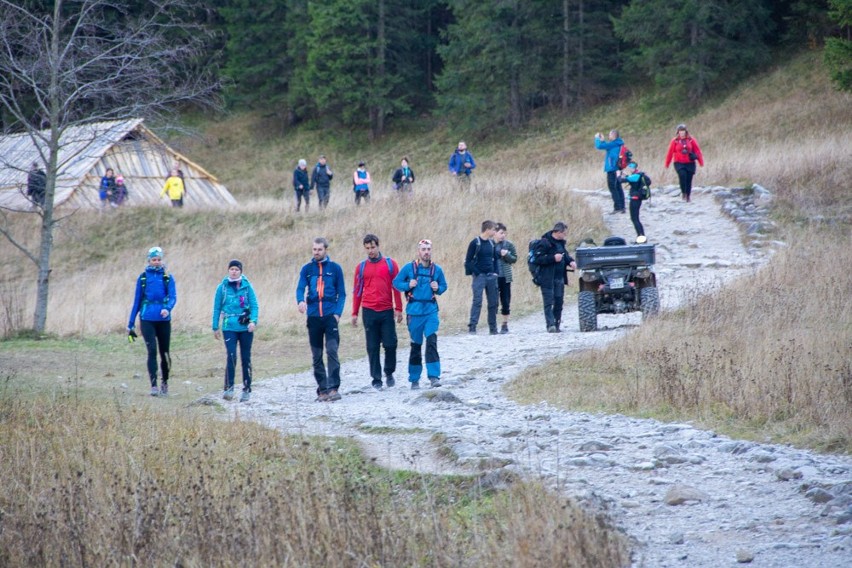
(236, 263)
(155, 252)
(303, 163)
(119, 179)
(681, 126)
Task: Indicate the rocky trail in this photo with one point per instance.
(685, 496)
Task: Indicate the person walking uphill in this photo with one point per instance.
(382, 309)
(422, 281)
(302, 185)
(321, 294)
(481, 263)
(612, 147)
(235, 305)
(553, 259)
(153, 302)
(321, 180)
(685, 151)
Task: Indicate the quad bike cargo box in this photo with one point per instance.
(619, 255)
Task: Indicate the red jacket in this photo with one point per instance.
(377, 292)
(676, 151)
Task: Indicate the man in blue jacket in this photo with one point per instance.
(422, 281)
(612, 147)
(461, 163)
(321, 180)
(321, 294)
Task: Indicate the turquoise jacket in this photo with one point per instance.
(613, 149)
(230, 301)
(422, 301)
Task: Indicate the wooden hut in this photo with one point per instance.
(86, 151)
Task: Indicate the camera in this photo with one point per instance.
(245, 317)
(693, 156)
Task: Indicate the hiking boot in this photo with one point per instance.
(377, 386)
(390, 381)
(558, 326)
(434, 382)
(622, 210)
(552, 329)
(322, 397)
(245, 396)
(164, 389)
(471, 329)
(155, 391)
(493, 331)
(334, 395)
(228, 394)
(415, 385)
(504, 328)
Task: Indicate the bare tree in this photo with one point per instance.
(81, 62)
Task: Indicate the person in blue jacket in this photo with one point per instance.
(422, 281)
(321, 294)
(613, 149)
(236, 303)
(153, 302)
(461, 162)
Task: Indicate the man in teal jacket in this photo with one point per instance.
(422, 281)
(236, 302)
(321, 294)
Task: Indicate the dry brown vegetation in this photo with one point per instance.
(100, 485)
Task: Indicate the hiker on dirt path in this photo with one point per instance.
(684, 150)
(507, 255)
(638, 181)
(553, 258)
(422, 281)
(236, 303)
(321, 180)
(361, 183)
(321, 295)
(302, 185)
(403, 177)
(480, 262)
(612, 147)
(381, 305)
(153, 301)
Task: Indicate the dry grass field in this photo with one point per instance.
(97, 473)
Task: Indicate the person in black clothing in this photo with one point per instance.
(301, 185)
(481, 263)
(553, 260)
(321, 179)
(36, 184)
(403, 177)
(637, 181)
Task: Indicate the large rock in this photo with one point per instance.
(680, 494)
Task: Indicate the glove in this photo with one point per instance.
(131, 336)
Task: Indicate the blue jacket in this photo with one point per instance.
(326, 290)
(613, 149)
(457, 161)
(156, 297)
(421, 299)
(230, 301)
(300, 177)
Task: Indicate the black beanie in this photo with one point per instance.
(236, 263)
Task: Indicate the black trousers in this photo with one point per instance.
(300, 195)
(324, 330)
(380, 329)
(615, 190)
(635, 205)
(505, 289)
(685, 172)
(552, 296)
(157, 334)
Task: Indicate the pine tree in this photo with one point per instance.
(838, 50)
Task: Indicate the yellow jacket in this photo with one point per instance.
(174, 185)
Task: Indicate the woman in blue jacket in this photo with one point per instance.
(153, 302)
(235, 303)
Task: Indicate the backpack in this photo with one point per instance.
(415, 266)
(359, 285)
(625, 156)
(534, 252)
(644, 188)
(144, 282)
(468, 267)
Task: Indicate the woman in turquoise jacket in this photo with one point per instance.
(235, 305)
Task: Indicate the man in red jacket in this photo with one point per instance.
(382, 305)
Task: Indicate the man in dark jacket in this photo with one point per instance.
(481, 263)
(553, 260)
(301, 185)
(321, 180)
(321, 294)
(36, 184)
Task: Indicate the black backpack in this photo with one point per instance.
(534, 251)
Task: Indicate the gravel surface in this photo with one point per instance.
(685, 496)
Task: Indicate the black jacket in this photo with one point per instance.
(300, 177)
(545, 257)
(320, 177)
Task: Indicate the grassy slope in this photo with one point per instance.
(784, 129)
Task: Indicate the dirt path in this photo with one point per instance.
(739, 503)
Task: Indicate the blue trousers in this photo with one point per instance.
(420, 328)
(244, 340)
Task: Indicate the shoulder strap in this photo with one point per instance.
(359, 287)
(389, 260)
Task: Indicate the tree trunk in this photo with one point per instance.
(380, 68)
(566, 52)
(580, 55)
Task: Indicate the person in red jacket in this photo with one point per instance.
(685, 151)
(382, 305)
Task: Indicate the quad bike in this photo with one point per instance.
(614, 279)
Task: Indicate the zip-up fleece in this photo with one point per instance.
(230, 301)
(422, 301)
(326, 289)
(156, 297)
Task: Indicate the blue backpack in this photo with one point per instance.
(359, 285)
